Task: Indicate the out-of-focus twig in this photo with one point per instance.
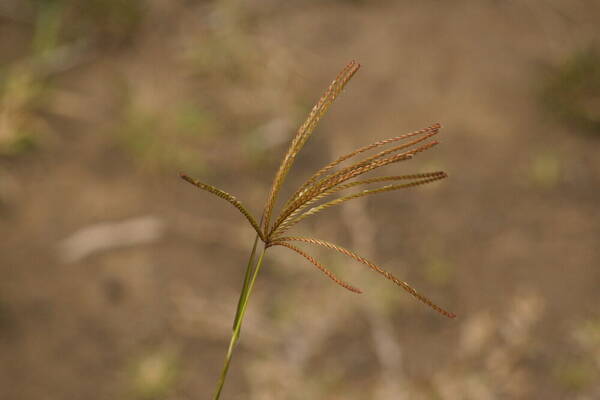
(109, 235)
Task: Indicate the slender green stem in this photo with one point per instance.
(244, 291)
(239, 318)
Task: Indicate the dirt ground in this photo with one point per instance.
(120, 281)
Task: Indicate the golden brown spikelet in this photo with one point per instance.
(327, 272)
(292, 217)
(373, 266)
(230, 198)
(344, 175)
(432, 129)
(304, 133)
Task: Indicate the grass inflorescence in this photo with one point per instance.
(317, 194)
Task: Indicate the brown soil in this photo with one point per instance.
(509, 242)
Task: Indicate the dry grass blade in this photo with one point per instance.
(231, 199)
(342, 176)
(433, 129)
(304, 133)
(294, 218)
(327, 272)
(374, 267)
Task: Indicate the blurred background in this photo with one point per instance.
(120, 281)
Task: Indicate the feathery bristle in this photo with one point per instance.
(230, 198)
(374, 267)
(431, 129)
(304, 133)
(337, 178)
(339, 188)
(327, 272)
(294, 218)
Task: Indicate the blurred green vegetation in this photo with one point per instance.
(168, 138)
(105, 21)
(575, 375)
(24, 86)
(587, 334)
(58, 27)
(221, 56)
(545, 169)
(46, 36)
(21, 96)
(438, 270)
(578, 372)
(154, 375)
(572, 91)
